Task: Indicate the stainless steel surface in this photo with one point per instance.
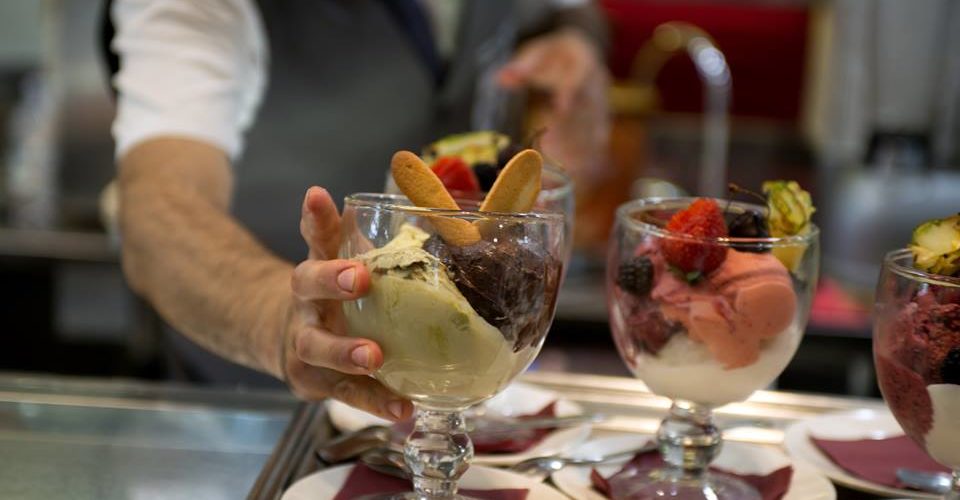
(925, 481)
(121, 440)
(293, 457)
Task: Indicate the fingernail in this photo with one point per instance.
(361, 357)
(395, 408)
(346, 279)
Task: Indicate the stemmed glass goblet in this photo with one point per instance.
(556, 196)
(916, 350)
(702, 339)
(456, 324)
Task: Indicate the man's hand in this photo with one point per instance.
(320, 361)
(567, 65)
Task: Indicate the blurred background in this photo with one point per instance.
(858, 100)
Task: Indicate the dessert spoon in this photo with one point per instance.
(936, 482)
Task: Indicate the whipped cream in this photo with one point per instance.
(943, 440)
(685, 369)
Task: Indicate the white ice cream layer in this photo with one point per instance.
(685, 369)
(943, 440)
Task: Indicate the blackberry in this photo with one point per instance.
(749, 225)
(636, 276)
(486, 175)
(950, 369)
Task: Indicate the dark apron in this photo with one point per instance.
(346, 89)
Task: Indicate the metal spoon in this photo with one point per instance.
(387, 461)
(352, 444)
(936, 482)
(541, 467)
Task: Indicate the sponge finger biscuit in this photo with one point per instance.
(426, 190)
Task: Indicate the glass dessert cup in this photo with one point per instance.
(916, 350)
(456, 324)
(556, 196)
(702, 339)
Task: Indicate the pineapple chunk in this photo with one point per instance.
(471, 147)
(790, 209)
(936, 246)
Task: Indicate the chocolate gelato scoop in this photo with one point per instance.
(510, 285)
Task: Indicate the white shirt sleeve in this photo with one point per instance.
(188, 68)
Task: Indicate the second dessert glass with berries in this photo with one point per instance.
(705, 319)
(916, 340)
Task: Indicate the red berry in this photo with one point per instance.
(455, 174)
(702, 219)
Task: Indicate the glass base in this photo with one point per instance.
(670, 483)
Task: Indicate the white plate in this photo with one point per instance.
(326, 483)
(857, 424)
(517, 399)
(806, 483)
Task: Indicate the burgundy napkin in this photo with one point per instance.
(366, 481)
(500, 442)
(877, 460)
(514, 442)
(771, 486)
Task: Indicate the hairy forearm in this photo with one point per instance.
(203, 272)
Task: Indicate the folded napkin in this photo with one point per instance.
(771, 486)
(366, 481)
(513, 442)
(877, 460)
(498, 442)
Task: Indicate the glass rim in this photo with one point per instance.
(890, 261)
(400, 203)
(625, 216)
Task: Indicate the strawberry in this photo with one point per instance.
(702, 219)
(456, 174)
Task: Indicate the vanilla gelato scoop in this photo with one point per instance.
(436, 347)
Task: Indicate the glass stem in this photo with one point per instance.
(688, 438)
(954, 493)
(438, 452)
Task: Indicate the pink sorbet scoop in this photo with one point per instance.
(747, 299)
